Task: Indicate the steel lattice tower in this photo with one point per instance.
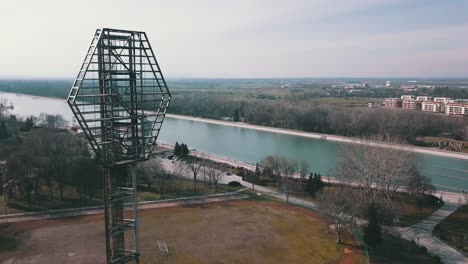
(120, 99)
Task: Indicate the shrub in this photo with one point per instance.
(234, 184)
(424, 249)
(241, 173)
(436, 259)
(263, 182)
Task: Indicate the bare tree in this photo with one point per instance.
(179, 173)
(339, 207)
(205, 172)
(215, 173)
(303, 172)
(272, 166)
(3, 106)
(154, 173)
(465, 193)
(420, 185)
(287, 184)
(195, 165)
(287, 187)
(380, 172)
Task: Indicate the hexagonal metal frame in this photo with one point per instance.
(120, 96)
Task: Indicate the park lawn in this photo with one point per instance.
(229, 232)
(44, 202)
(186, 190)
(72, 197)
(395, 250)
(454, 229)
(411, 213)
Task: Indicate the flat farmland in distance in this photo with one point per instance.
(229, 232)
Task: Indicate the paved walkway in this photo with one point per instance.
(21, 217)
(292, 199)
(421, 233)
(169, 166)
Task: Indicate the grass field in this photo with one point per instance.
(454, 229)
(411, 213)
(232, 232)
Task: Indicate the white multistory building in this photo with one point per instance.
(424, 98)
(408, 97)
(456, 109)
(432, 107)
(444, 100)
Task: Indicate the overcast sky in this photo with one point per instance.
(271, 38)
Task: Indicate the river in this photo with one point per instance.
(248, 145)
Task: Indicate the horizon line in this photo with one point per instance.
(239, 78)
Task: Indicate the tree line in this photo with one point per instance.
(310, 116)
(42, 159)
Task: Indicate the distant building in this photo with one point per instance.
(409, 88)
(353, 91)
(411, 104)
(432, 107)
(365, 85)
(388, 84)
(456, 109)
(424, 98)
(444, 100)
(408, 97)
(393, 103)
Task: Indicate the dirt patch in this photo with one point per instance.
(228, 232)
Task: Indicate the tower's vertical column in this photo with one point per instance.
(117, 228)
(107, 221)
(135, 213)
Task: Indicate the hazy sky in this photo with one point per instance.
(271, 38)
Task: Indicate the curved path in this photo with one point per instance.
(421, 233)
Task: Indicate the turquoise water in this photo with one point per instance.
(252, 145)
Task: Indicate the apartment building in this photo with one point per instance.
(408, 97)
(424, 98)
(393, 103)
(411, 104)
(456, 109)
(432, 107)
(444, 100)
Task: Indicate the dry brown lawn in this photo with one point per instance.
(232, 232)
